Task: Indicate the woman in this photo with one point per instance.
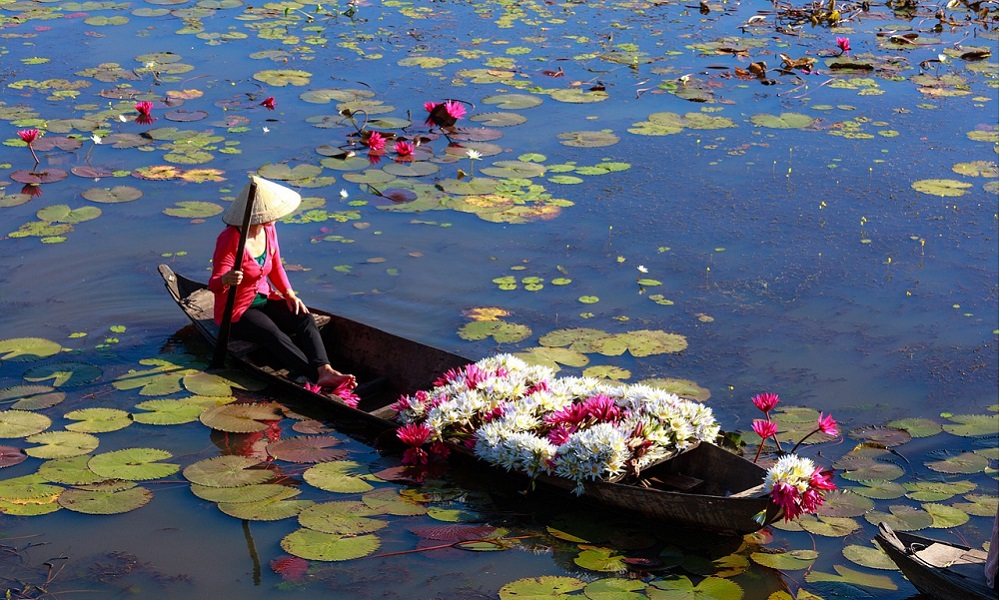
(267, 310)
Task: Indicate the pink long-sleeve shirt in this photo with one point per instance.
(266, 279)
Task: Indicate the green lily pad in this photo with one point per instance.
(869, 556)
(783, 121)
(972, 425)
(538, 588)
(194, 210)
(226, 471)
(553, 357)
(966, 462)
(247, 493)
(945, 517)
(98, 420)
(828, 526)
(852, 577)
(69, 471)
(902, 518)
(886, 436)
(498, 119)
(604, 560)
(167, 412)
(22, 423)
(306, 449)
(679, 587)
(917, 427)
(500, 331)
(942, 187)
(133, 464)
(64, 374)
(879, 489)
(979, 505)
(25, 349)
(283, 77)
(61, 444)
(614, 589)
(163, 379)
(316, 545)
(844, 503)
(114, 195)
(934, 491)
(578, 96)
(513, 101)
(786, 561)
(340, 518)
(62, 213)
(241, 418)
(31, 397)
(93, 502)
(589, 139)
(389, 501)
(342, 476)
(220, 383)
(275, 508)
(607, 372)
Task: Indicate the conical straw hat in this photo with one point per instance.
(272, 202)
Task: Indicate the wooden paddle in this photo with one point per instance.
(219, 358)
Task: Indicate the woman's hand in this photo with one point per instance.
(294, 304)
(233, 277)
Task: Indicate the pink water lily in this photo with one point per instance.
(444, 114)
(765, 402)
(827, 425)
(28, 136)
(144, 109)
(375, 141)
(268, 103)
(764, 428)
(403, 149)
(345, 392)
(844, 44)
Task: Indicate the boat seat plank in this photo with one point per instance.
(943, 555)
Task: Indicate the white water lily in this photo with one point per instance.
(473, 154)
(97, 139)
(343, 194)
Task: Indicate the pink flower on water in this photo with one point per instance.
(444, 114)
(764, 428)
(404, 149)
(414, 434)
(268, 103)
(765, 401)
(827, 425)
(376, 141)
(415, 456)
(144, 108)
(844, 44)
(28, 135)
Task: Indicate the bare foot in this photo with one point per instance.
(332, 378)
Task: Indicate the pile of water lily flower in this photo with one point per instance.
(795, 484)
(523, 418)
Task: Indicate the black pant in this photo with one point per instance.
(293, 339)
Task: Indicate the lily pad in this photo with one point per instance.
(972, 425)
(26, 349)
(588, 139)
(306, 449)
(902, 518)
(167, 412)
(114, 195)
(22, 423)
(69, 471)
(942, 187)
(604, 560)
(389, 501)
(341, 518)
(64, 374)
(275, 508)
(61, 444)
(679, 586)
(783, 121)
(31, 397)
(246, 493)
(966, 462)
(945, 517)
(868, 556)
(226, 471)
(316, 545)
(133, 464)
(104, 502)
(98, 420)
(917, 427)
(537, 588)
(935, 491)
(194, 210)
(342, 476)
(241, 418)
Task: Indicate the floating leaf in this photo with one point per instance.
(226, 471)
(917, 427)
(945, 517)
(341, 518)
(852, 577)
(104, 503)
(306, 449)
(513, 101)
(678, 587)
(114, 195)
(786, 561)
(389, 501)
(70, 471)
(220, 383)
(274, 508)
(887, 436)
(64, 374)
(869, 556)
(783, 121)
(341, 476)
(942, 187)
(98, 420)
(588, 139)
(966, 462)
(194, 210)
(538, 588)
(879, 490)
(21, 423)
(133, 464)
(283, 77)
(972, 425)
(25, 349)
(31, 397)
(163, 379)
(979, 505)
(61, 444)
(933, 491)
(241, 418)
(315, 545)
(167, 412)
(828, 526)
(844, 503)
(11, 455)
(604, 560)
(901, 518)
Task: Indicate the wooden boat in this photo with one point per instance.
(707, 487)
(939, 570)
